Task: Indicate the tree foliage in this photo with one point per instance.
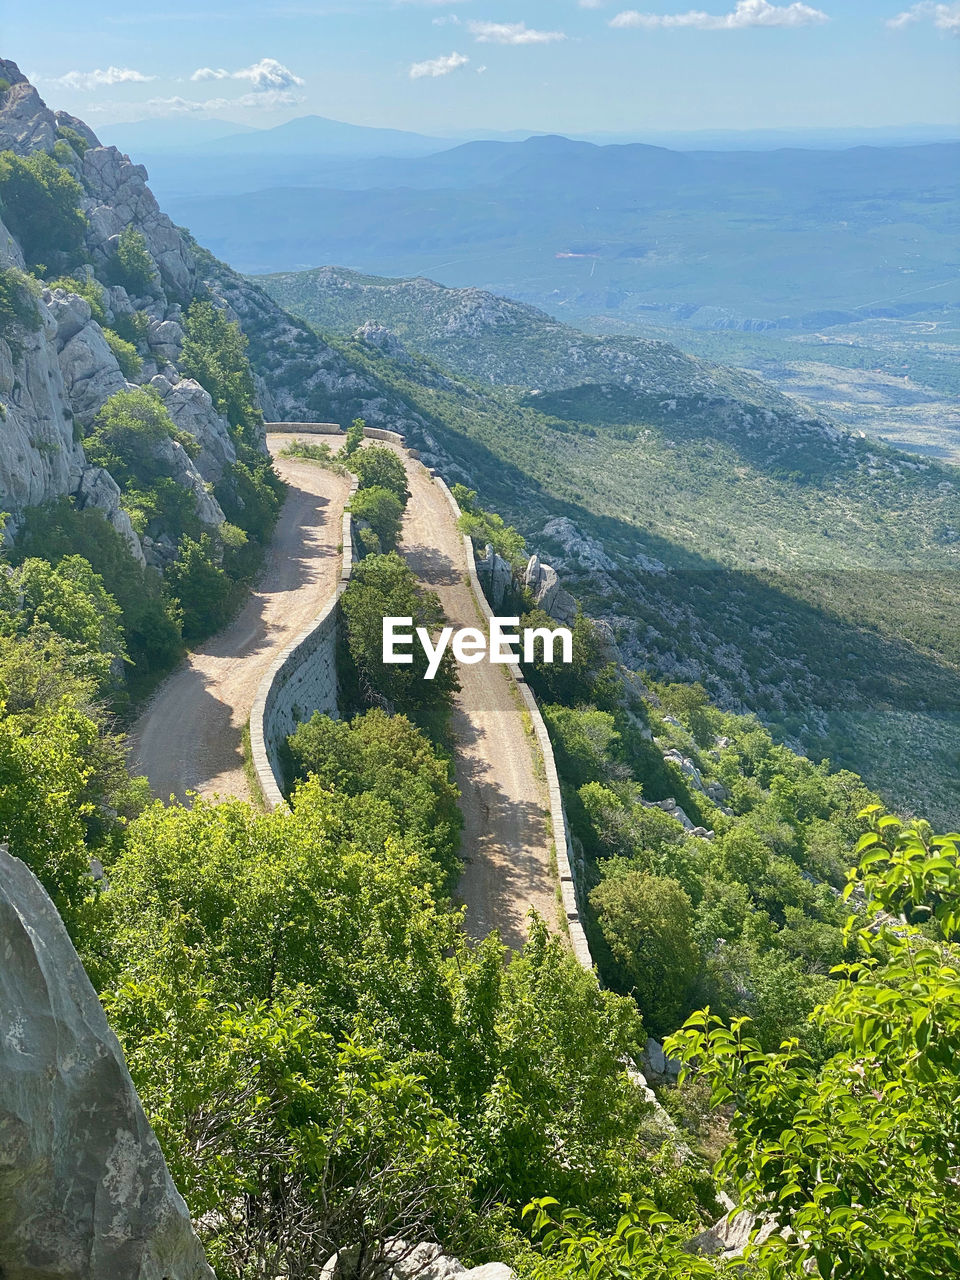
(40, 205)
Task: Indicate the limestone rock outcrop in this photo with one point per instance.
(85, 1193)
(192, 410)
(98, 489)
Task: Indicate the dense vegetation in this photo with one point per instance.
(326, 1058)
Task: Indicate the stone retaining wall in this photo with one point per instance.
(311, 428)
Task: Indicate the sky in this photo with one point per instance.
(433, 66)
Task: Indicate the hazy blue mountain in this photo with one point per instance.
(318, 136)
(717, 239)
(175, 135)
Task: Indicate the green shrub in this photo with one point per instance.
(131, 265)
(76, 140)
(486, 526)
(151, 627)
(201, 587)
(355, 435)
(40, 204)
(125, 353)
(19, 312)
(250, 494)
(380, 468)
(382, 511)
(215, 354)
(389, 758)
(647, 924)
(384, 586)
(315, 451)
(133, 326)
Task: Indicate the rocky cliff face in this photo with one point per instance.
(57, 369)
(57, 372)
(85, 1193)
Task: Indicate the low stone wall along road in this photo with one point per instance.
(190, 737)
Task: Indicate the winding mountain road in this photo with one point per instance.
(505, 846)
(190, 737)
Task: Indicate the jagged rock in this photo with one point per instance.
(70, 311)
(119, 196)
(39, 457)
(726, 1239)
(191, 409)
(586, 552)
(657, 1063)
(25, 123)
(165, 340)
(496, 576)
(97, 488)
(543, 581)
(424, 1261)
(687, 767)
(385, 340)
(85, 1193)
(91, 374)
(181, 467)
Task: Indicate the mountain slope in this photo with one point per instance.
(799, 573)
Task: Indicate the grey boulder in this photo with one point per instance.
(85, 1193)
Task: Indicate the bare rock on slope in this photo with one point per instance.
(85, 1193)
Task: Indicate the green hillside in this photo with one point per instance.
(805, 575)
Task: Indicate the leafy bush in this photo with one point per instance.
(855, 1154)
(131, 265)
(125, 353)
(200, 586)
(391, 760)
(315, 451)
(380, 468)
(355, 435)
(133, 327)
(40, 204)
(250, 494)
(488, 527)
(215, 353)
(382, 586)
(18, 307)
(151, 627)
(76, 140)
(382, 512)
(647, 924)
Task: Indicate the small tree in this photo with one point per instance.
(857, 1158)
(355, 433)
(132, 266)
(378, 467)
(647, 923)
(382, 511)
(40, 204)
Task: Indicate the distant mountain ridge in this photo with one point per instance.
(709, 239)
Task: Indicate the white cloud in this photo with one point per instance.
(435, 67)
(945, 17)
(747, 13)
(262, 100)
(97, 79)
(511, 33)
(267, 75)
